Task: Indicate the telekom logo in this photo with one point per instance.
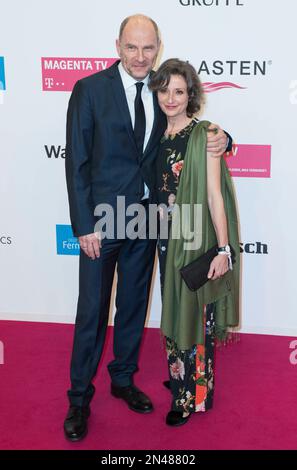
(61, 73)
(249, 161)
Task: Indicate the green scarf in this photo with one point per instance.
(182, 310)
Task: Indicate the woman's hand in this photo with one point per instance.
(219, 266)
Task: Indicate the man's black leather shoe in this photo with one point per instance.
(76, 423)
(175, 418)
(135, 398)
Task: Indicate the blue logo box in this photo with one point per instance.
(2, 74)
(67, 243)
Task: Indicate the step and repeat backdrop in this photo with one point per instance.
(244, 51)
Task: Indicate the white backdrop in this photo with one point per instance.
(40, 285)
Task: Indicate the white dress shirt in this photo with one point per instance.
(147, 99)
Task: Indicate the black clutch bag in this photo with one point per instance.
(195, 273)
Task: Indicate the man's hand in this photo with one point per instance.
(216, 141)
(91, 244)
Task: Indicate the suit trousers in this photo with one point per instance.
(134, 260)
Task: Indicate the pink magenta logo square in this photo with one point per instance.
(249, 161)
(61, 73)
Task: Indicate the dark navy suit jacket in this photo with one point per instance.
(101, 154)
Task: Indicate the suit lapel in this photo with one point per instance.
(121, 100)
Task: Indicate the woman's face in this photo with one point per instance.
(173, 99)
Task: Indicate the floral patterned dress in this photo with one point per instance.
(190, 371)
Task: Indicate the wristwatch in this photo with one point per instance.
(224, 249)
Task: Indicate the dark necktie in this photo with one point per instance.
(139, 125)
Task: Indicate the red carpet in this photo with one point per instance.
(255, 399)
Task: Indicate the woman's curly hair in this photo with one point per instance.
(160, 80)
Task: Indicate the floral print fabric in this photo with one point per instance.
(191, 372)
(170, 164)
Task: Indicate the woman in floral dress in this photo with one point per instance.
(180, 97)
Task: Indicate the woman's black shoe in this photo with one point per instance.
(166, 384)
(175, 418)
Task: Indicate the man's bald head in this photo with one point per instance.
(139, 19)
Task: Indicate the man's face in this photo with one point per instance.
(138, 48)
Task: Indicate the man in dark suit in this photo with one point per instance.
(114, 126)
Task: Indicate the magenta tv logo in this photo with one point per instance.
(61, 73)
(249, 161)
(209, 87)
